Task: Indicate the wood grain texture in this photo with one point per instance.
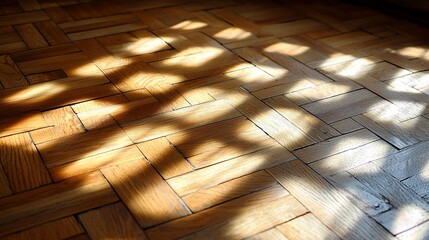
(145, 193)
(31, 36)
(21, 163)
(59, 229)
(227, 170)
(112, 221)
(10, 75)
(82, 145)
(213, 222)
(270, 121)
(54, 202)
(316, 195)
(296, 228)
(165, 158)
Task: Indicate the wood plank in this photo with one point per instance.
(279, 128)
(165, 158)
(208, 197)
(345, 105)
(326, 203)
(198, 65)
(419, 232)
(10, 75)
(283, 89)
(179, 120)
(59, 229)
(147, 196)
(112, 221)
(44, 52)
(93, 163)
(21, 163)
(371, 202)
(352, 158)
(78, 146)
(410, 209)
(328, 90)
(418, 184)
(66, 91)
(21, 18)
(95, 23)
(31, 36)
(335, 145)
(46, 76)
(22, 123)
(256, 58)
(52, 33)
(346, 126)
(406, 163)
(106, 31)
(309, 124)
(294, 27)
(220, 141)
(64, 121)
(399, 134)
(298, 229)
(264, 209)
(227, 170)
(98, 54)
(53, 202)
(278, 53)
(5, 189)
(134, 76)
(271, 234)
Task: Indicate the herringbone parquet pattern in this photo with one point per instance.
(212, 120)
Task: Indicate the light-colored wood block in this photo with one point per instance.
(345, 105)
(352, 158)
(64, 121)
(265, 208)
(328, 90)
(112, 221)
(272, 234)
(223, 192)
(335, 145)
(279, 128)
(321, 198)
(220, 141)
(21, 163)
(147, 196)
(410, 210)
(165, 158)
(78, 146)
(93, 163)
(227, 170)
(53, 202)
(346, 126)
(407, 162)
(59, 229)
(298, 228)
(22, 123)
(179, 120)
(309, 124)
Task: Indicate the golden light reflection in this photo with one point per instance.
(233, 33)
(43, 90)
(189, 25)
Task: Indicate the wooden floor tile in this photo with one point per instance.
(145, 193)
(54, 202)
(197, 119)
(112, 221)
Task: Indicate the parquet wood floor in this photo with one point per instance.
(212, 119)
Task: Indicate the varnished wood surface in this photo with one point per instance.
(212, 120)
